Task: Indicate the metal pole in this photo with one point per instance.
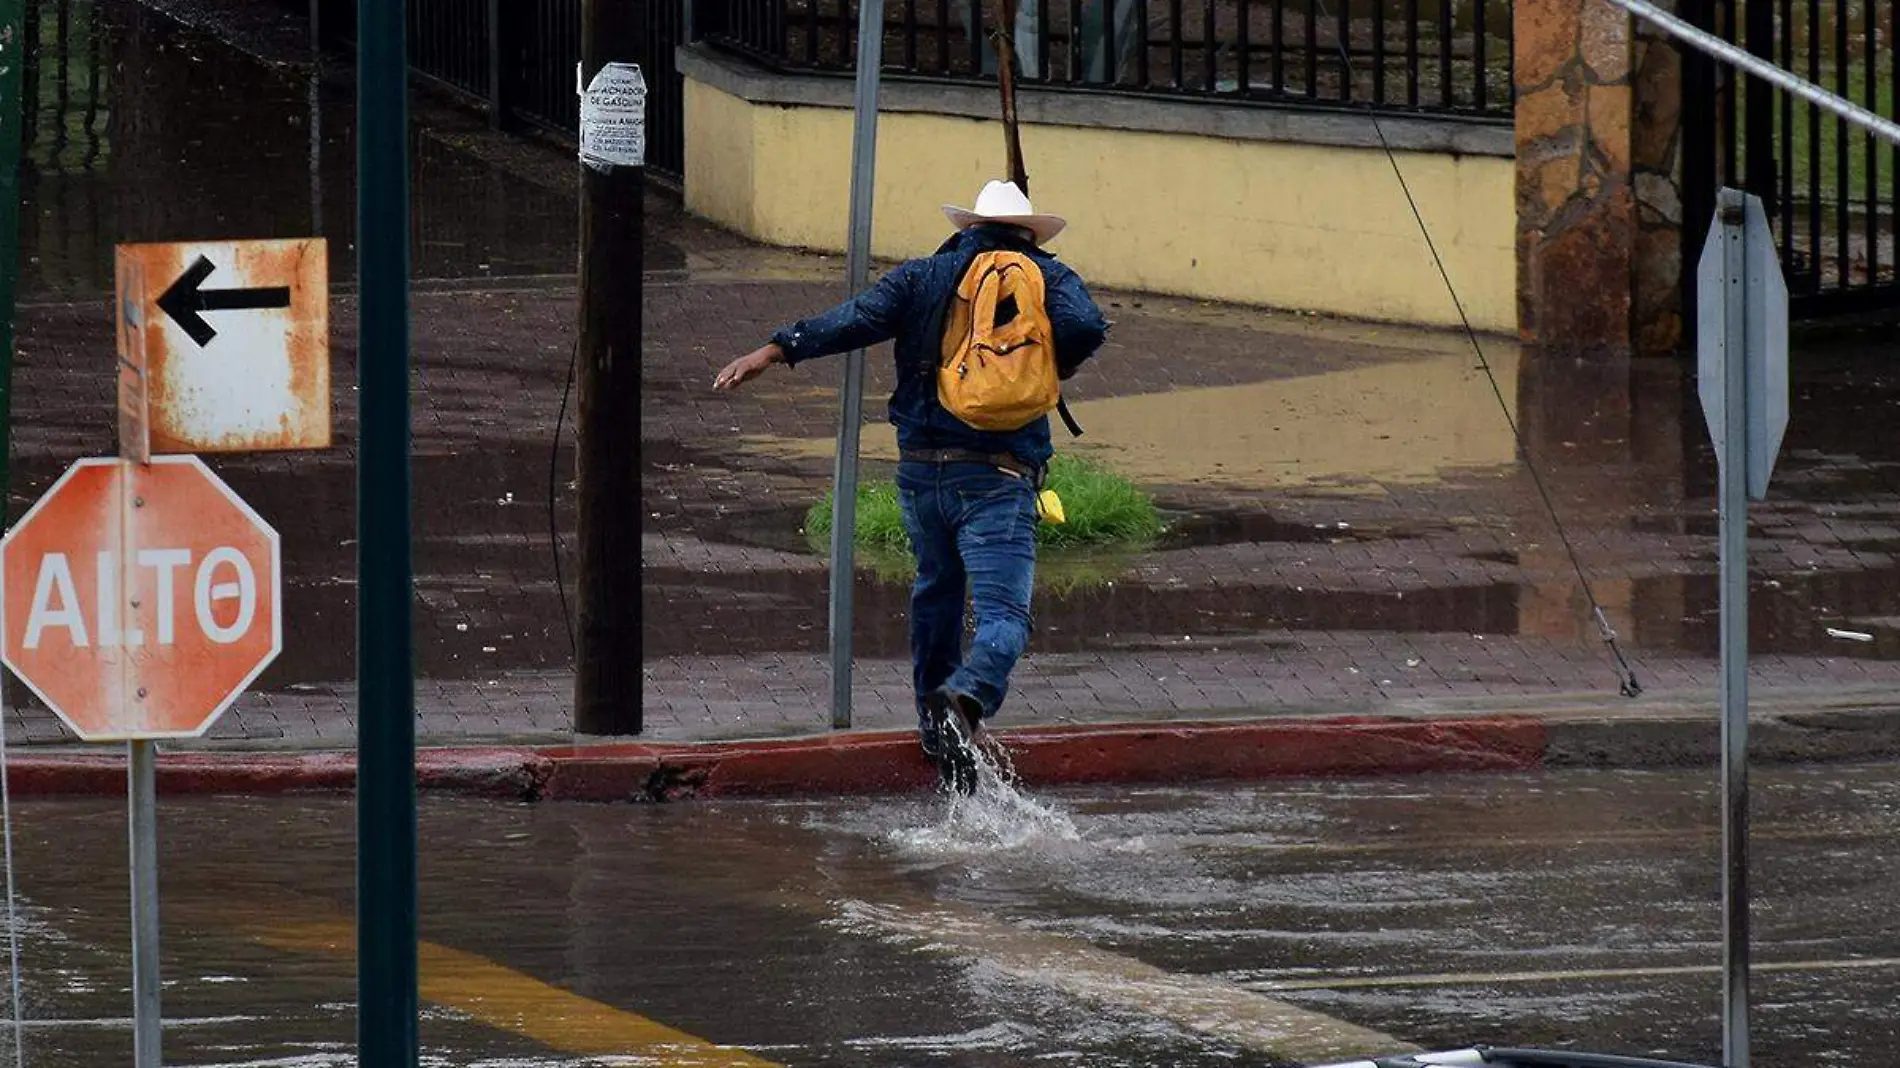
(1734, 630)
(142, 803)
(1758, 105)
(12, 124)
(612, 284)
(314, 91)
(498, 100)
(386, 722)
(844, 495)
(1709, 44)
(12, 119)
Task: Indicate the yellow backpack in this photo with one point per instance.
(999, 375)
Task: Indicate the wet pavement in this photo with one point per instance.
(1352, 524)
(211, 119)
(1264, 925)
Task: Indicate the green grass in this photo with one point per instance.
(1058, 572)
(1102, 510)
(1805, 136)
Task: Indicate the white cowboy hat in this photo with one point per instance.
(1002, 202)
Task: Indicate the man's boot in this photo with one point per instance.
(954, 717)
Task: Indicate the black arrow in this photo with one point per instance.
(184, 300)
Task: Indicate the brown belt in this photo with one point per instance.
(1003, 460)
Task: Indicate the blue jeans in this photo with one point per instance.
(972, 528)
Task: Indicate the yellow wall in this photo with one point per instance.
(1253, 222)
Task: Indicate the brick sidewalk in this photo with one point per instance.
(1351, 522)
(1273, 594)
(1352, 526)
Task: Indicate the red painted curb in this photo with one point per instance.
(483, 772)
(882, 762)
(1263, 750)
(841, 764)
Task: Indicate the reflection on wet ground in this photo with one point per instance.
(143, 129)
(1329, 486)
(1290, 431)
(1262, 925)
(1330, 528)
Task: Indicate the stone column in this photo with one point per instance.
(1576, 206)
(1597, 112)
(1656, 155)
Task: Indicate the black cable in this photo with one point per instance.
(1626, 680)
(554, 463)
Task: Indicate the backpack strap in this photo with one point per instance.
(1062, 409)
(939, 316)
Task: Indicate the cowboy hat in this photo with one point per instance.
(1002, 202)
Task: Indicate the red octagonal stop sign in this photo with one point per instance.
(139, 600)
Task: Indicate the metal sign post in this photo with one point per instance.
(141, 754)
(136, 662)
(139, 662)
(844, 482)
(1742, 377)
(388, 995)
(247, 325)
(12, 122)
(142, 825)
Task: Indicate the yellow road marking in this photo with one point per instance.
(1578, 975)
(510, 1001)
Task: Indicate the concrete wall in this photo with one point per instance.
(1250, 205)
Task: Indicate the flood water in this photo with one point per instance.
(145, 128)
(1256, 925)
(1326, 486)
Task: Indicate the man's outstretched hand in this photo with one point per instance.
(748, 367)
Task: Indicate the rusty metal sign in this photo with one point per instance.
(140, 599)
(224, 346)
(135, 442)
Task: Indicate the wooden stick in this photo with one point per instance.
(1003, 37)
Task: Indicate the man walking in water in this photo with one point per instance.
(984, 327)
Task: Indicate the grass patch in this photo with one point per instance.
(1812, 139)
(1102, 509)
(1059, 572)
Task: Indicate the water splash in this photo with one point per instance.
(998, 817)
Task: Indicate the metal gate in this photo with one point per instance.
(1831, 189)
(515, 59)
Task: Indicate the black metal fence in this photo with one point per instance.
(449, 41)
(1831, 189)
(1431, 56)
(65, 87)
(69, 138)
(517, 58)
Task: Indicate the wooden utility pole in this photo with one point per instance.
(613, 193)
(1003, 38)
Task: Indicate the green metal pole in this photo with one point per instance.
(12, 118)
(386, 726)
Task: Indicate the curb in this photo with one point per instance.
(1693, 739)
(887, 762)
(848, 763)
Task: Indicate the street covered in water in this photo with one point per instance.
(1277, 924)
(1364, 525)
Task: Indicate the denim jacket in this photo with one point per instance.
(909, 305)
